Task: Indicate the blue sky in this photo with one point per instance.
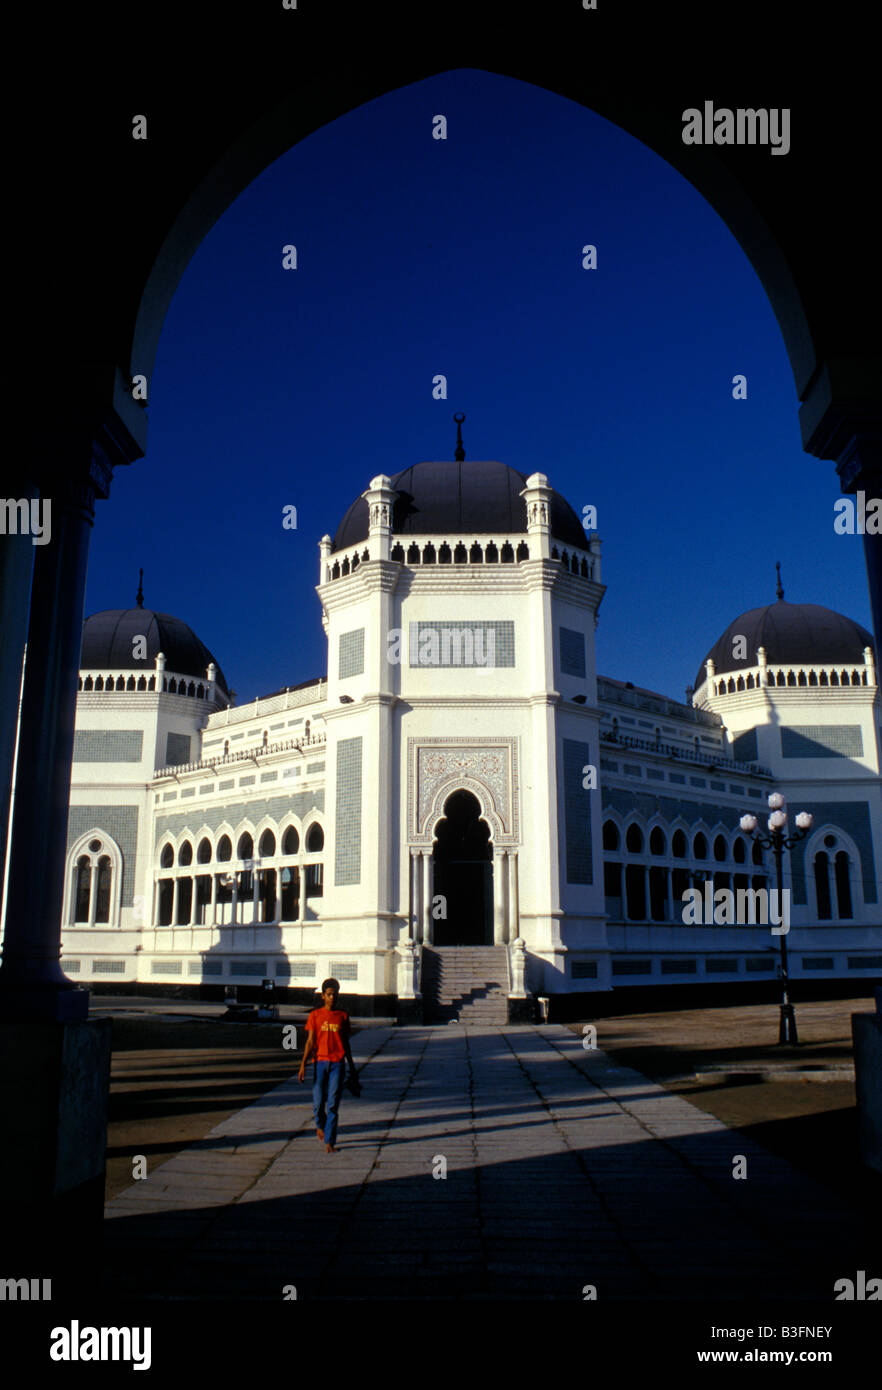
(463, 257)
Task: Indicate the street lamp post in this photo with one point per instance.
(777, 841)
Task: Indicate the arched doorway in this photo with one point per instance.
(463, 874)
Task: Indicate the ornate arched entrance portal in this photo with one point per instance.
(463, 874)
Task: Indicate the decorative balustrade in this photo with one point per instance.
(608, 693)
(312, 693)
(684, 755)
(126, 682)
(476, 550)
(300, 745)
(793, 678)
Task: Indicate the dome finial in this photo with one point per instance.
(460, 449)
(139, 597)
(779, 591)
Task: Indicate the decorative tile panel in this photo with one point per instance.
(108, 745)
(347, 841)
(487, 767)
(351, 662)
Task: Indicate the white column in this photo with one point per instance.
(234, 914)
(278, 908)
(194, 894)
(669, 893)
(174, 915)
(254, 887)
(414, 922)
(426, 856)
(93, 892)
(514, 926)
(499, 869)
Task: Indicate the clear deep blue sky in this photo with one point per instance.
(463, 257)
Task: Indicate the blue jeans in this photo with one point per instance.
(326, 1092)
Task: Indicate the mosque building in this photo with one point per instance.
(461, 816)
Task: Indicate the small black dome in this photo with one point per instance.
(792, 633)
(109, 639)
(453, 498)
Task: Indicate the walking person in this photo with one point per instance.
(327, 1037)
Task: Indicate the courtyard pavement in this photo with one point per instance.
(562, 1170)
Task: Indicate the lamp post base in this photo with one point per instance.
(787, 1026)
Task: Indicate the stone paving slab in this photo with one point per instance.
(561, 1170)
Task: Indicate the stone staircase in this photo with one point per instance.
(465, 983)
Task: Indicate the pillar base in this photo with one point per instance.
(55, 1081)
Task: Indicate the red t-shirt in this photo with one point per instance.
(330, 1027)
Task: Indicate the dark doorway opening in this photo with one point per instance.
(463, 864)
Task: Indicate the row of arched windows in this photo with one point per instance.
(476, 554)
(653, 892)
(245, 893)
(314, 842)
(172, 684)
(679, 845)
(347, 566)
(838, 678)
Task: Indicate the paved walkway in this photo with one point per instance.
(562, 1170)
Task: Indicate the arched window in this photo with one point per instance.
(315, 839)
(267, 844)
(476, 554)
(185, 853)
(491, 554)
(507, 554)
(93, 885)
(224, 849)
(634, 839)
(523, 551)
(822, 886)
(756, 853)
(739, 851)
(610, 835)
(444, 555)
(460, 554)
(291, 841)
(657, 844)
(843, 887)
(245, 848)
(203, 854)
(721, 849)
(699, 847)
(678, 845)
(430, 555)
(167, 857)
(398, 552)
(413, 554)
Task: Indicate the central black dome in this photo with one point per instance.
(455, 498)
(109, 640)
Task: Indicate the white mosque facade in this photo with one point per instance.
(461, 785)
